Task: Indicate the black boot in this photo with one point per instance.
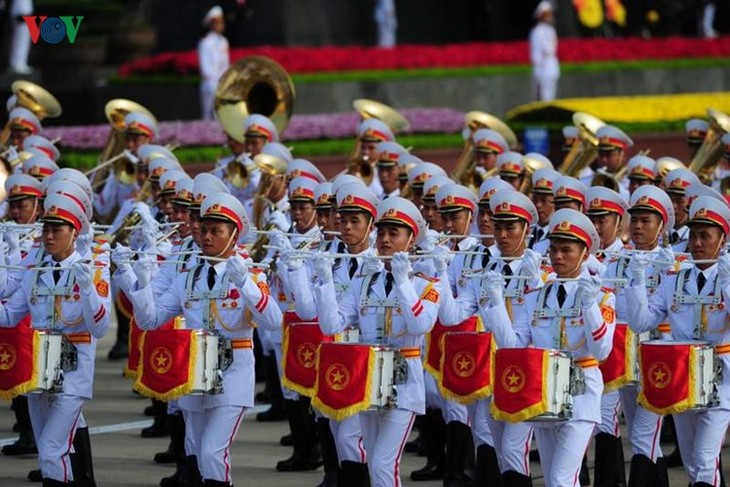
(458, 441)
(191, 475)
(329, 453)
(584, 477)
(82, 464)
(510, 478)
(609, 465)
(306, 450)
(35, 476)
(353, 474)
(719, 466)
(53, 483)
(216, 483)
(120, 350)
(641, 472)
(177, 447)
(487, 468)
(701, 484)
(273, 388)
(159, 427)
(661, 476)
(25, 445)
(433, 430)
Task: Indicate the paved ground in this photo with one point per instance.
(123, 458)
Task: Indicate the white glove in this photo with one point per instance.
(293, 259)
(589, 288)
(12, 237)
(84, 277)
(531, 261)
(143, 270)
(723, 270)
(494, 284)
(664, 259)
(637, 267)
(120, 256)
(371, 264)
(83, 243)
(428, 244)
(279, 220)
(278, 239)
(143, 210)
(323, 267)
(442, 257)
(400, 267)
(592, 265)
(237, 270)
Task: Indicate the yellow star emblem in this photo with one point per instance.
(464, 363)
(5, 356)
(337, 377)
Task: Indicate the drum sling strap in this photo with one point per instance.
(511, 294)
(384, 307)
(699, 318)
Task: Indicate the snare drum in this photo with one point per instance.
(207, 376)
(531, 384)
(678, 376)
(621, 368)
(47, 362)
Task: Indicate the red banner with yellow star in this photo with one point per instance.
(19, 347)
(434, 346)
(344, 379)
(466, 366)
(619, 367)
(135, 343)
(519, 389)
(300, 344)
(667, 377)
(167, 367)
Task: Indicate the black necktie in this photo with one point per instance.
(485, 257)
(388, 283)
(561, 295)
(701, 280)
(353, 268)
(674, 237)
(211, 277)
(506, 270)
(57, 273)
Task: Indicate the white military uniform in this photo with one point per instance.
(83, 319)
(544, 59)
(213, 59)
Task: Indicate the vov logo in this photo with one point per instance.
(53, 29)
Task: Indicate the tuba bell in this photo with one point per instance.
(710, 152)
(255, 84)
(36, 99)
(357, 165)
(271, 168)
(585, 148)
(465, 172)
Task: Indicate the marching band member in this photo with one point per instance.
(389, 156)
(587, 340)
(569, 193)
(205, 297)
(606, 209)
(429, 208)
(688, 299)
(22, 124)
(370, 132)
(675, 185)
(488, 144)
(571, 135)
(44, 145)
(613, 144)
(305, 169)
(82, 320)
(258, 131)
(40, 167)
(651, 214)
(641, 171)
(139, 129)
(327, 219)
(543, 182)
(513, 215)
(415, 301)
(418, 175)
(696, 129)
(511, 168)
(357, 207)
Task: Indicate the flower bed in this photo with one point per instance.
(297, 60)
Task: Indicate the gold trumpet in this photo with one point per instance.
(465, 172)
(710, 152)
(36, 99)
(360, 166)
(585, 148)
(272, 168)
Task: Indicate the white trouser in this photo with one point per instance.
(348, 439)
(54, 418)
(562, 447)
(453, 411)
(20, 43)
(512, 443)
(644, 427)
(286, 392)
(434, 399)
(207, 97)
(700, 435)
(546, 89)
(610, 412)
(213, 431)
(479, 418)
(384, 434)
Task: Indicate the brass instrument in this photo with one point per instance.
(532, 164)
(116, 110)
(132, 219)
(664, 165)
(36, 99)
(255, 84)
(585, 148)
(360, 166)
(465, 172)
(710, 152)
(271, 167)
(613, 181)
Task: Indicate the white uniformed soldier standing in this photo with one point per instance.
(213, 59)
